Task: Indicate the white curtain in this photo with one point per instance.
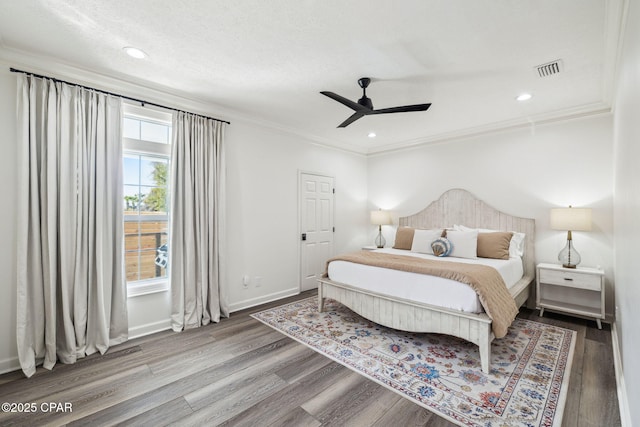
(70, 275)
(197, 222)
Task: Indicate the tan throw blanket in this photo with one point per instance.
(486, 281)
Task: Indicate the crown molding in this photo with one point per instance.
(135, 88)
(588, 110)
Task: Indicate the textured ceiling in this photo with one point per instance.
(268, 60)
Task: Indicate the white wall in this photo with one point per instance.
(522, 172)
(627, 211)
(262, 212)
(8, 195)
(262, 190)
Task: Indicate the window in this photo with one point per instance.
(147, 136)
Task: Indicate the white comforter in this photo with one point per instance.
(423, 288)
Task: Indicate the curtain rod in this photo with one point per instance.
(14, 70)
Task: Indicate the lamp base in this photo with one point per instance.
(380, 240)
(568, 256)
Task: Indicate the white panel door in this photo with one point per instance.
(316, 227)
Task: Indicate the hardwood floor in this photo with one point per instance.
(242, 373)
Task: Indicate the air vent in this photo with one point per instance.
(549, 69)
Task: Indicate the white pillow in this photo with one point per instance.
(464, 244)
(516, 245)
(422, 240)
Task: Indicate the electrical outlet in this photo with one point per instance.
(246, 280)
(258, 281)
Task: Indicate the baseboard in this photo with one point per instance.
(623, 402)
(12, 364)
(241, 305)
(9, 365)
(149, 328)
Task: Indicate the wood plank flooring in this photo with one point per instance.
(242, 373)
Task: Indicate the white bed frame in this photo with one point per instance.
(455, 206)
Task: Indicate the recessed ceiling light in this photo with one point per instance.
(372, 135)
(523, 97)
(134, 52)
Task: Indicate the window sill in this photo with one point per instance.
(146, 287)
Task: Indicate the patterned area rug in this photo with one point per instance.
(527, 384)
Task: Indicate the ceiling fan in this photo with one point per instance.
(364, 106)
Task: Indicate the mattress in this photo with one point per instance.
(423, 288)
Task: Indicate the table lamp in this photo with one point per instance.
(570, 219)
(380, 218)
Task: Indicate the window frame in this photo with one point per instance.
(140, 147)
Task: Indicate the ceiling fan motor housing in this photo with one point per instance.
(366, 102)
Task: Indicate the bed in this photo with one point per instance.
(403, 310)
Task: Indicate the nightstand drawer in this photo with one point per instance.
(570, 279)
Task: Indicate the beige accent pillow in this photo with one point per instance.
(404, 238)
(494, 245)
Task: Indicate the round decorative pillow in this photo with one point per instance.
(441, 247)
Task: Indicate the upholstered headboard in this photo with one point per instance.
(458, 206)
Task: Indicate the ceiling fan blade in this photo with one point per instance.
(403, 109)
(355, 116)
(344, 101)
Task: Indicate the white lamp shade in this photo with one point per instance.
(380, 217)
(571, 219)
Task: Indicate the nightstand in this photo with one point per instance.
(574, 291)
(369, 248)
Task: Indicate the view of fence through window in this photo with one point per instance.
(145, 216)
(145, 201)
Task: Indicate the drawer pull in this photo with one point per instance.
(569, 279)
